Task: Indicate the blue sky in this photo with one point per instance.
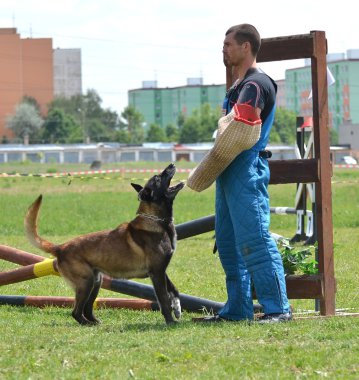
(126, 42)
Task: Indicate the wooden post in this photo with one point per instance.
(323, 193)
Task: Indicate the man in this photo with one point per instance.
(246, 249)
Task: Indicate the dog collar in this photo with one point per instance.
(155, 218)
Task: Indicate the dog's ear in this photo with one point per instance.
(138, 188)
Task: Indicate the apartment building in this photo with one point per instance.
(30, 67)
(343, 94)
(26, 69)
(67, 72)
(162, 106)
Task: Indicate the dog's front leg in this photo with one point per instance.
(160, 286)
(175, 299)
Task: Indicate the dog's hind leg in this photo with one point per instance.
(88, 309)
(82, 279)
(160, 285)
(84, 288)
(174, 297)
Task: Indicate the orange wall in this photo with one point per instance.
(26, 68)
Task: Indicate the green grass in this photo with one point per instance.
(48, 344)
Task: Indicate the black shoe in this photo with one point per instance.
(211, 319)
(275, 318)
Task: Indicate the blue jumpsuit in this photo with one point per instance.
(246, 249)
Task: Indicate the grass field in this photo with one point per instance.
(48, 344)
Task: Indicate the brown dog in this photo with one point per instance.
(141, 248)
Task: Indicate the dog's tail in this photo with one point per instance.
(31, 228)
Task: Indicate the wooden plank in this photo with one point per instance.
(323, 203)
(303, 286)
(287, 47)
(293, 171)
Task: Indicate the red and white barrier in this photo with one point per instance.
(90, 172)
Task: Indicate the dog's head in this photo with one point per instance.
(158, 189)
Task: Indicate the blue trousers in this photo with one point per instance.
(246, 249)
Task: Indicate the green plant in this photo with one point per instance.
(51, 170)
(25, 162)
(299, 259)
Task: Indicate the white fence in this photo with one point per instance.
(111, 153)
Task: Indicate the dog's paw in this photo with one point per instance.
(92, 319)
(85, 320)
(176, 306)
(172, 323)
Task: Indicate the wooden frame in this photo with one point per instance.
(316, 170)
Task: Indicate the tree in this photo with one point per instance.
(132, 124)
(122, 135)
(190, 131)
(334, 137)
(98, 131)
(26, 122)
(32, 101)
(70, 106)
(97, 124)
(283, 130)
(209, 121)
(155, 134)
(180, 120)
(172, 133)
(92, 103)
(60, 127)
(199, 127)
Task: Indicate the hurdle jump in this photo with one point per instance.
(48, 267)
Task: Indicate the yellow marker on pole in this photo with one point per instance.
(45, 268)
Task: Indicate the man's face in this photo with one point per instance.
(233, 54)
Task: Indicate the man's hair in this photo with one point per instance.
(246, 33)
